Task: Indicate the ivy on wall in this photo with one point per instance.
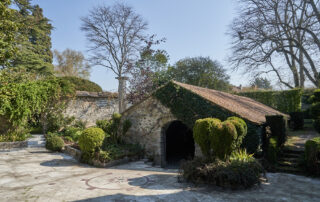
(189, 107)
(285, 101)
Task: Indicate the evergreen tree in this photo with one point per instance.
(33, 41)
(8, 28)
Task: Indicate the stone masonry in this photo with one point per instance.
(92, 106)
(150, 120)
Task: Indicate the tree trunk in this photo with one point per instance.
(122, 93)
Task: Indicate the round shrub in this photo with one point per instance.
(54, 143)
(91, 139)
(82, 84)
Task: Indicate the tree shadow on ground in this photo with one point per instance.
(179, 196)
(158, 182)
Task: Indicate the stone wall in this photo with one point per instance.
(7, 146)
(92, 106)
(148, 119)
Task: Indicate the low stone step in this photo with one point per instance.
(291, 155)
(292, 160)
(291, 151)
(36, 142)
(288, 164)
(292, 170)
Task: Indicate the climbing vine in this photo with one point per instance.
(189, 107)
(23, 94)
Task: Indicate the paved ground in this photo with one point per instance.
(297, 139)
(36, 175)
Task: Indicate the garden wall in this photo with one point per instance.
(92, 106)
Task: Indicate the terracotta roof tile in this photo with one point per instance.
(244, 107)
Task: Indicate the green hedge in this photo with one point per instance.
(82, 84)
(188, 107)
(315, 109)
(312, 156)
(285, 101)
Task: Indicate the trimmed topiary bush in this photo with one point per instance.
(202, 134)
(54, 143)
(241, 128)
(227, 140)
(219, 139)
(91, 139)
(312, 156)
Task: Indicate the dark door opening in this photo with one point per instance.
(179, 143)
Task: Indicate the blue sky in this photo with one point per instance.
(191, 27)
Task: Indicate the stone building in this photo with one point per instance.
(163, 122)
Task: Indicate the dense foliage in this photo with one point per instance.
(284, 101)
(54, 142)
(33, 38)
(189, 107)
(82, 84)
(23, 95)
(7, 33)
(114, 128)
(201, 71)
(219, 139)
(150, 71)
(312, 156)
(241, 171)
(261, 83)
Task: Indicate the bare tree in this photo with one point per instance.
(115, 34)
(71, 63)
(279, 37)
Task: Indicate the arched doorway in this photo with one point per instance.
(179, 143)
